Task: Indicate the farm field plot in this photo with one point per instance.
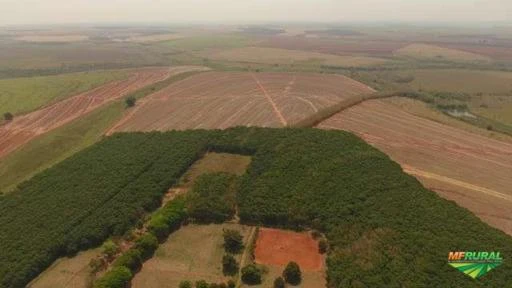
(24, 128)
(192, 253)
(22, 95)
(431, 52)
(285, 56)
(459, 165)
(224, 99)
(465, 81)
(276, 248)
(67, 272)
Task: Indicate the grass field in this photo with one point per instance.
(67, 272)
(21, 95)
(284, 56)
(193, 253)
(56, 145)
(436, 53)
(198, 43)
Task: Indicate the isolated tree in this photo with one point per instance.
(292, 274)
(130, 101)
(229, 265)
(233, 241)
(251, 275)
(279, 282)
(323, 246)
(185, 284)
(109, 249)
(8, 116)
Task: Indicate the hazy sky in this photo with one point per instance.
(82, 11)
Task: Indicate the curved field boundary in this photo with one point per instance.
(24, 128)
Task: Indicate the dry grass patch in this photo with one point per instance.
(192, 253)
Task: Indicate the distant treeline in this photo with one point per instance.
(383, 227)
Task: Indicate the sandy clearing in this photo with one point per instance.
(473, 170)
(214, 100)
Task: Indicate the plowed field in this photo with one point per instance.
(473, 170)
(23, 128)
(225, 99)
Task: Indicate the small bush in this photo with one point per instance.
(251, 275)
(147, 244)
(185, 284)
(109, 249)
(8, 116)
(231, 284)
(118, 277)
(233, 241)
(229, 265)
(130, 101)
(323, 246)
(279, 282)
(201, 284)
(292, 274)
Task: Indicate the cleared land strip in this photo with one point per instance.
(24, 128)
(219, 100)
(471, 169)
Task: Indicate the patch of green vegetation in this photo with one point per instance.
(55, 146)
(384, 228)
(21, 95)
(198, 43)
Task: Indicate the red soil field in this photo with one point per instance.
(214, 100)
(334, 46)
(473, 170)
(279, 247)
(24, 128)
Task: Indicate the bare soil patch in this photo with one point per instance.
(216, 100)
(279, 247)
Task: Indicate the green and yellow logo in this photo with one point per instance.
(474, 264)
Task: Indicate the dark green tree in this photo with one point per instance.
(8, 116)
(201, 284)
(130, 101)
(279, 282)
(229, 265)
(231, 284)
(251, 275)
(185, 284)
(292, 274)
(233, 241)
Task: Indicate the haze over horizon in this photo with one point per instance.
(26, 12)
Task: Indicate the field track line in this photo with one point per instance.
(243, 259)
(428, 175)
(270, 100)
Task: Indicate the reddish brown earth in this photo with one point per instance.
(279, 247)
(24, 128)
(473, 170)
(224, 99)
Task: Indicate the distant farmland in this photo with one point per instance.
(471, 169)
(221, 100)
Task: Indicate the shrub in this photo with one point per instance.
(8, 116)
(292, 274)
(131, 259)
(185, 284)
(233, 241)
(231, 284)
(130, 101)
(201, 284)
(118, 277)
(279, 282)
(147, 244)
(229, 265)
(109, 249)
(323, 246)
(251, 275)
